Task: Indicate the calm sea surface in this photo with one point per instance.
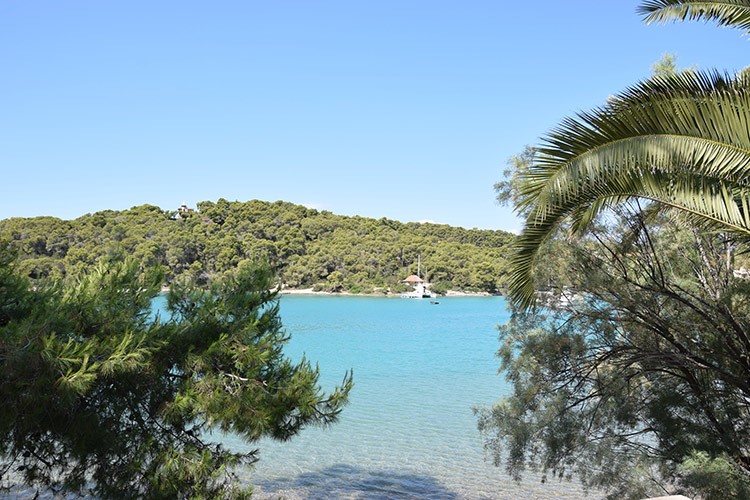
(409, 431)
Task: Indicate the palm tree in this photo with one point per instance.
(681, 141)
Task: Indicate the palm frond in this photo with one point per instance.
(681, 141)
(731, 13)
(712, 206)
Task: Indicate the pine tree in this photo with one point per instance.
(99, 397)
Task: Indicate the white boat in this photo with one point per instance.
(420, 292)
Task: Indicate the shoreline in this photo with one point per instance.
(310, 291)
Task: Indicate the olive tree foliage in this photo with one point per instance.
(635, 379)
(517, 167)
(667, 66)
(100, 397)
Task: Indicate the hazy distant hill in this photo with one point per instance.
(306, 247)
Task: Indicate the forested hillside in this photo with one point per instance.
(305, 247)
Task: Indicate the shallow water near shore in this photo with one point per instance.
(409, 430)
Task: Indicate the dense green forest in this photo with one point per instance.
(304, 246)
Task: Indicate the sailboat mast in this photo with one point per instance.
(419, 264)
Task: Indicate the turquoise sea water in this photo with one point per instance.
(409, 430)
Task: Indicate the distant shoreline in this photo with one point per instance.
(310, 291)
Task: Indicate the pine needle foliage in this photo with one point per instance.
(305, 247)
(102, 398)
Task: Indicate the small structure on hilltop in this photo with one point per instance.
(185, 209)
(182, 212)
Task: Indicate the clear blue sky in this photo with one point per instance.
(403, 109)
